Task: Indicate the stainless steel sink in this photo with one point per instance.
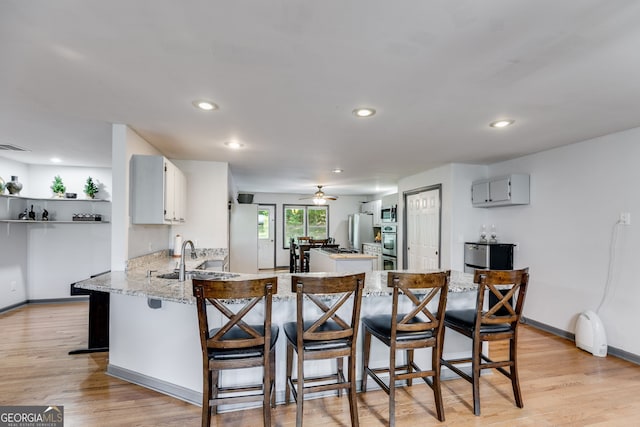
(211, 264)
(173, 276)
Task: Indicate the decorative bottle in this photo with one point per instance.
(14, 186)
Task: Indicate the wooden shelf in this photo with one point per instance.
(51, 199)
(27, 221)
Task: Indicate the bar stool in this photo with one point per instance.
(498, 323)
(236, 344)
(417, 328)
(324, 335)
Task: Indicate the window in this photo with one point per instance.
(263, 223)
(303, 220)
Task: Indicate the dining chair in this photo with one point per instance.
(320, 332)
(418, 326)
(498, 322)
(236, 344)
(318, 242)
(294, 256)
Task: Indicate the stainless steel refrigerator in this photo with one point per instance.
(360, 230)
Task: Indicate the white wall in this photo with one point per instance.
(338, 213)
(577, 194)
(61, 254)
(38, 260)
(74, 178)
(207, 217)
(564, 234)
(13, 242)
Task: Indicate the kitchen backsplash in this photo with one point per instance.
(151, 258)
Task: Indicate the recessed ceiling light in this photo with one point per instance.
(337, 170)
(501, 123)
(55, 160)
(364, 112)
(234, 145)
(205, 105)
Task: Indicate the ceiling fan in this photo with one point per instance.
(319, 198)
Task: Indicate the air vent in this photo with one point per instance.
(9, 147)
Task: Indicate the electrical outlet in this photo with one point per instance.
(13, 286)
(150, 246)
(625, 218)
(517, 246)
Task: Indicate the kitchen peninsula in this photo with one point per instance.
(337, 260)
(154, 338)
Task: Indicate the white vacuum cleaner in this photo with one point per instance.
(590, 334)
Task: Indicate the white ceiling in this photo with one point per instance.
(287, 74)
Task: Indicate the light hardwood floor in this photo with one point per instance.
(562, 386)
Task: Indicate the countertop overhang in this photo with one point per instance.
(142, 280)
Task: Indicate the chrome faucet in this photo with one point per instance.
(182, 272)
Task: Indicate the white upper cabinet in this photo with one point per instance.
(158, 191)
(501, 191)
(373, 207)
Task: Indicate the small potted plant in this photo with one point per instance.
(58, 187)
(90, 188)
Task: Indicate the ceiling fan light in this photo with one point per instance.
(319, 201)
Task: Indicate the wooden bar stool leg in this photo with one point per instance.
(475, 368)
(392, 384)
(366, 346)
(515, 382)
(215, 376)
(300, 391)
(437, 391)
(206, 396)
(266, 386)
(272, 363)
(409, 359)
(340, 372)
(353, 403)
(287, 393)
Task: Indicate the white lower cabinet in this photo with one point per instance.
(374, 249)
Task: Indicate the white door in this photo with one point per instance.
(423, 230)
(266, 236)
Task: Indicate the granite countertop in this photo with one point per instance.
(343, 255)
(136, 280)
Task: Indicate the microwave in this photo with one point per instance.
(388, 214)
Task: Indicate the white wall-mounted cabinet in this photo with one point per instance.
(501, 191)
(373, 207)
(158, 191)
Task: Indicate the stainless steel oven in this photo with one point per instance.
(389, 263)
(389, 240)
